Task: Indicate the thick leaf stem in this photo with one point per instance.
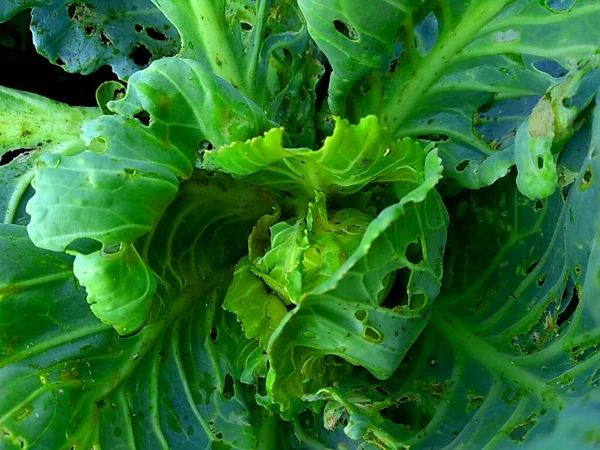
(491, 359)
(405, 96)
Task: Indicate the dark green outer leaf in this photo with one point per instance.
(513, 344)
(356, 37)
(70, 380)
(84, 36)
(491, 62)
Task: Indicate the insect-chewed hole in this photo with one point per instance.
(140, 55)
(85, 246)
(531, 267)
(153, 33)
(12, 155)
(372, 335)
(345, 30)
(407, 412)
(228, 387)
(586, 178)
(246, 26)
(540, 162)
(361, 314)
(414, 252)
(144, 117)
(463, 165)
(417, 301)
(569, 310)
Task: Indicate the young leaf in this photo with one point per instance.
(343, 316)
(353, 157)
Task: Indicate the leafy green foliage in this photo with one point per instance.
(84, 36)
(211, 259)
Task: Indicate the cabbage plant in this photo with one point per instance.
(304, 224)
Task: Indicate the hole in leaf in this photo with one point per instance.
(85, 246)
(531, 267)
(10, 156)
(261, 386)
(105, 39)
(539, 205)
(361, 314)
(398, 295)
(21, 442)
(434, 137)
(559, 6)
(462, 166)
(111, 249)
(519, 432)
(550, 67)
(540, 162)
(372, 335)
(205, 145)
(141, 56)
(144, 117)
(213, 334)
(89, 29)
(60, 62)
(382, 391)
(153, 33)
(71, 9)
(586, 178)
(246, 26)
(346, 30)
(417, 301)
(407, 412)
(414, 252)
(228, 387)
(307, 419)
(138, 28)
(565, 315)
(541, 281)
(219, 435)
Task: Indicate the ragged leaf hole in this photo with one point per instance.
(361, 314)
(228, 387)
(372, 335)
(345, 30)
(144, 117)
(564, 316)
(463, 165)
(141, 55)
(531, 267)
(540, 162)
(12, 155)
(414, 252)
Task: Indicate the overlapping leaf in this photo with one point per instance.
(261, 48)
(116, 190)
(70, 380)
(465, 74)
(353, 157)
